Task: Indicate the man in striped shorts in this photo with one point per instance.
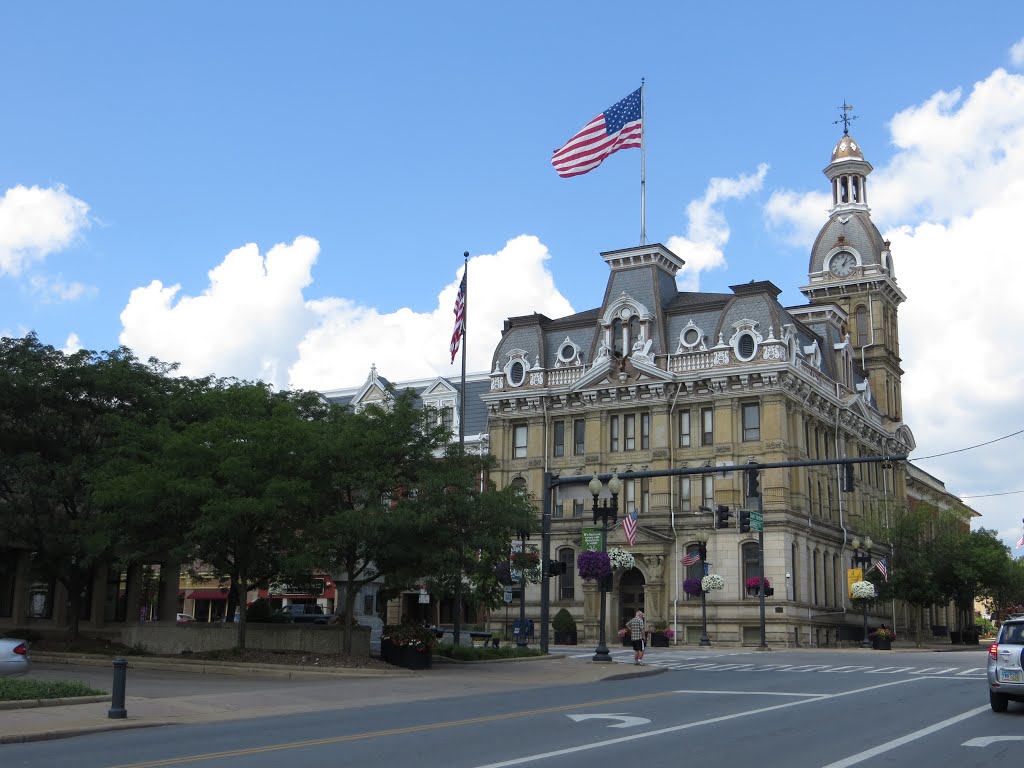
(638, 632)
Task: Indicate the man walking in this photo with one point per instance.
(638, 632)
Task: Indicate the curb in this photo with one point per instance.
(30, 703)
(198, 666)
(67, 733)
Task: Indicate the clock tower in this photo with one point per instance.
(851, 268)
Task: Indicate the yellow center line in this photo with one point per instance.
(390, 732)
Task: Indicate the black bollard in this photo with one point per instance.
(117, 710)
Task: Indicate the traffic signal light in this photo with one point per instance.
(722, 515)
(744, 521)
(847, 478)
(556, 567)
(753, 483)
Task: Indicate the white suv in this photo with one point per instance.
(1005, 675)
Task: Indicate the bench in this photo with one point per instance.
(485, 636)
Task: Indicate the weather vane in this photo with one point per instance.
(845, 118)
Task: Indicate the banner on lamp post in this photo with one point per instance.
(593, 539)
(853, 575)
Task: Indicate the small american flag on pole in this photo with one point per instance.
(1020, 542)
(692, 558)
(460, 316)
(883, 568)
(618, 127)
(629, 526)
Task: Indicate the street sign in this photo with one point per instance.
(756, 521)
(424, 599)
(508, 595)
(593, 538)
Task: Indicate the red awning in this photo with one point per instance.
(206, 594)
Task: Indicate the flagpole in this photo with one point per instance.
(643, 182)
(465, 315)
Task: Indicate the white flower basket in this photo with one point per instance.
(712, 582)
(621, 559)
(862, 590)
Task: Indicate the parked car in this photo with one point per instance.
(14, 658)
(304, 614)
(1005, 673)
(185, 618)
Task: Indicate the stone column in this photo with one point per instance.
(167, 602)
(132, 593)
(591, 611)
(19, 610)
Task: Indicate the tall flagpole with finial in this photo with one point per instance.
(465, 309)
(643, 182)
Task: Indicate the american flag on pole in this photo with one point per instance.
(1020, 542)
(883, 568)
(691, 558)
(460, 316)
(629, 526)
(618, 127)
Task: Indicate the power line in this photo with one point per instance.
(987, 495)
(969, 448)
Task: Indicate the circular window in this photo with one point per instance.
(567, 352)
(516, 373)
(691, 337)
(745, 347)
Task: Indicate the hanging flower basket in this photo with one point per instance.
(712, 582)
(862, 590)
(593, 565)
(692, 587)
(621, 560)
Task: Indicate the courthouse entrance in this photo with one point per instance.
(631, 595)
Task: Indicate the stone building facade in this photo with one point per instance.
(655, 378)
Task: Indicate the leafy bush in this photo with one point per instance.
(563, 622)
(22, 633)
(485, 653)
(259, 612)
(17, 689)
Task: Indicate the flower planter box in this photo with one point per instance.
(658, 640)
(405, 656)
(627, 642)
(752, 591)
(882, 644)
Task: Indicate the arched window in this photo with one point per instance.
(751, 564)
(862, 325)
(567, 580)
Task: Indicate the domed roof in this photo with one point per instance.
(847, 147)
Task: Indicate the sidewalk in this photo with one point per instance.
(32, 722)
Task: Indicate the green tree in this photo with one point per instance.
(471, 525)
(239, 479)
(60, 415)
(363, 465)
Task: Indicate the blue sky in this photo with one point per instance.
(285, 191)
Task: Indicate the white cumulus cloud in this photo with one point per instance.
(347, 339)
(254, 322)
(708, 231)
(247, 323)
(35, 222)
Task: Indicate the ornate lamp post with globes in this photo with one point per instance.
(608, 513)
(862, 559)
(702, 537)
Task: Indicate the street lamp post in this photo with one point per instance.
(702, 537)
(608, 513)
(521, 639)
(862, 559)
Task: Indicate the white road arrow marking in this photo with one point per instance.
(984, 741)
(626, 721)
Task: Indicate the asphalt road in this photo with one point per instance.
(721, 708)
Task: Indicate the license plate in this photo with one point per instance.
(1010, 675)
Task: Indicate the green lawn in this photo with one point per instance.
(16, 689)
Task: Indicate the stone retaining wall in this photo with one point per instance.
(197, 637)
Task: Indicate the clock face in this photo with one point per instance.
(842, 264)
